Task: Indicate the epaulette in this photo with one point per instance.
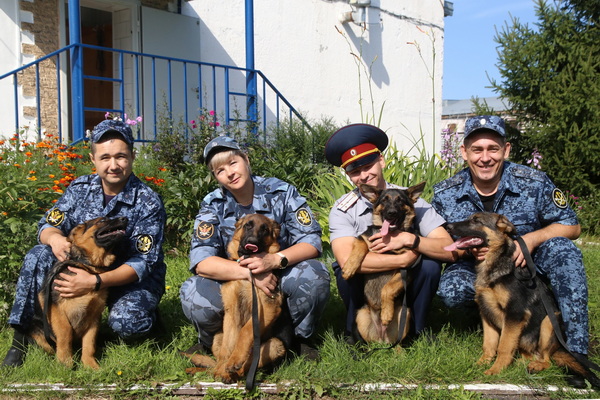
(348, 201)
(523, 171)
(455, 180)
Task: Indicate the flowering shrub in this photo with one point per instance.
(32, 177)
(535, 160)
(450, 153)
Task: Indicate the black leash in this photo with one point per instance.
(550, 307)
(256, 333)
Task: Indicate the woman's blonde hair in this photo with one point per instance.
(223, 157)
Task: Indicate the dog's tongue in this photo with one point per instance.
(385, 228)
(251, 247)
(465, 243)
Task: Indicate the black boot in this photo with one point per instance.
(18, 349)
(305, 347)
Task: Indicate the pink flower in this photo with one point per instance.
(211, 112)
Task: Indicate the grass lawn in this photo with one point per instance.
(448, 356)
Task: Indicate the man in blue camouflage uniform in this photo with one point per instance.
(137, 277)
(304, 280)
(357, 148)
(536, 207)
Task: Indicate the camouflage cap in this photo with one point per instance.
(220, 143)
(485, 122)
(112, 125)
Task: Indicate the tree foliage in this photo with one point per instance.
(549, 73)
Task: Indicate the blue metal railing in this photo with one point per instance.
(155, 86)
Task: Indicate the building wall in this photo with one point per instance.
(313, 59)
(10, 55)
(36, 24)
(389, 66)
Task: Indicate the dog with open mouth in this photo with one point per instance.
(58, 321)
(254, 233)
(510, 301)
(393, 210)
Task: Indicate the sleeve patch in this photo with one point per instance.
(55, 217)
(559, 198)
(144, 243)
(303, 217)
(205, 230)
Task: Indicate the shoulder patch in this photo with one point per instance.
(55, 217)
(559, 198)
(144, 243)
(303, 217)
(205, 230)
(347, 201)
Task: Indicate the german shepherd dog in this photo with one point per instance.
(58, 320)
(512, 312)
(254, 233)
(393, 210)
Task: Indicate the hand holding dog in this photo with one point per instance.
(260, 266)
(78, 284)
(394, 241)
(61, 247)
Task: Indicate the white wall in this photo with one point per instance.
(298, 48)
(10, 45)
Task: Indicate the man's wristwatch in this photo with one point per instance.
(283, 262)
(416, 242)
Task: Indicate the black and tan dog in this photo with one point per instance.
(59, 321)
(393, 210)
(232, 348)
(510, 303)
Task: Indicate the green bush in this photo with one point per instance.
(32, 177)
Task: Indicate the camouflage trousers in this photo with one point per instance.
(305, 286)
(560, 262)
(133, 308)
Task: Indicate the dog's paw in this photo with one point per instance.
(484, 359)
(224, 375)
(348, 273)
(537, 366)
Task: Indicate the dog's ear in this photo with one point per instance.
(505, 226)
(415, 191)
(77, 231)
(240, 222)
(370, 192)
(276, 229)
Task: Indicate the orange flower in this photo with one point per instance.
(51, 176)
(32, 178)
(4, 213)
(28, 154)
(31, 172)
(17, 165)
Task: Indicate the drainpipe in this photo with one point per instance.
(77, 121)
(251, 89)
